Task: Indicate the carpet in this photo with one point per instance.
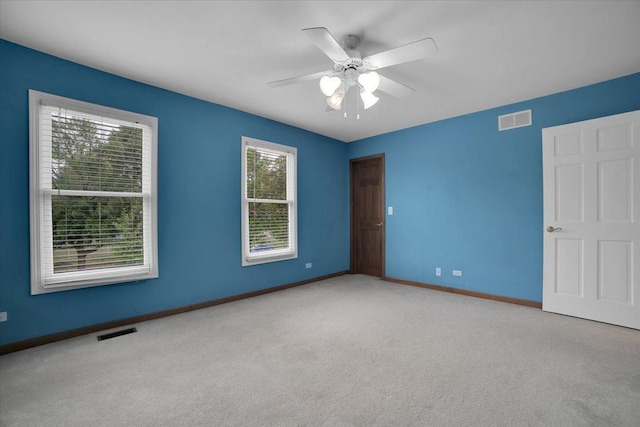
(347, 351)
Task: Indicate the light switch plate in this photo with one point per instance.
(390, 210)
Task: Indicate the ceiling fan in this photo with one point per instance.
(351, 70)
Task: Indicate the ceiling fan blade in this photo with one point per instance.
(409, 52)
(292, 80)
(325, 41)
(393, 88)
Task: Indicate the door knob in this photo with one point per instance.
(551, 229)
(379, 225)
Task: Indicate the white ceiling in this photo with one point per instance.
(492, 53)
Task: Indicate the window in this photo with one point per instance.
(93, 194)
(269, 221)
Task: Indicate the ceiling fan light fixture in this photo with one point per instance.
(335, 100)
(329, 85)
(369, 81)
(368, 99)
(351, 69)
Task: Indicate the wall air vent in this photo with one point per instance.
(514, 120)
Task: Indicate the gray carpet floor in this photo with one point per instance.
(349, 351)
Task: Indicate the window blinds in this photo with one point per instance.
(95, 181)
(270, 201)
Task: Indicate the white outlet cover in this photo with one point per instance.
(457, 273)
(3, 316)
(438, 271)
(308, 265)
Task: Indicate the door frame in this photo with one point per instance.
(352, 231)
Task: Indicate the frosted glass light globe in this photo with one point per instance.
(369, 81)
(368, 99)
(328, 85)
(335, 100)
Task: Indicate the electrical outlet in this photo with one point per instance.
(3, 316)
(457, 273)
(438, 271)
(308, 265)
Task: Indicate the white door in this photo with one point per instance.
(591, 219)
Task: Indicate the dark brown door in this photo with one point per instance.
(367, 215)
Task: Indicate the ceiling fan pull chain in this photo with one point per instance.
(346, 106)
(346, 101)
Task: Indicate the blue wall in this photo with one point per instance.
(468, 197)
(465, 196)
(198, 200)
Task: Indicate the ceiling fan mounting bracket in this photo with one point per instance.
(350, 42)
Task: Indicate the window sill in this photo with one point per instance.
(264, 259)
(49, 285)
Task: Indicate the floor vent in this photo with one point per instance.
(514, 120)
(116, 334)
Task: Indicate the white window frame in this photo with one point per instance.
(291, 252)
(43, 278)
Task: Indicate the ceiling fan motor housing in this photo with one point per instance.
(354, 66)
(351, 68)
